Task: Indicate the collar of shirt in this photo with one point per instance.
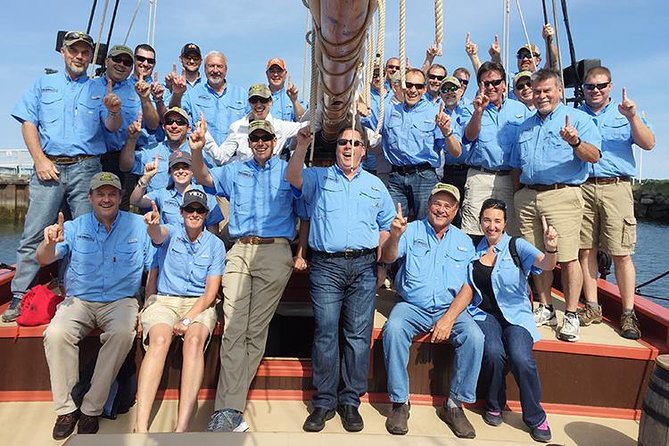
(81, 79)
(586, 108)
(183, 236)
(499, 246)
(100, 227)
(269, 164)
(339, 171)
(551, 115)
(212, 91)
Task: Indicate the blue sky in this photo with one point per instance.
(628, 36)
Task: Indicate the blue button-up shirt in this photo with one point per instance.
(432, 271)
(544, 157)
(345, 214)
(261, 200)
(184, 265)
(509, 283)
(457, 125)
(169, 203)
(69, 114)
(617, 153)
(499, 130)
(282, 106)
(105, 266)
(219, 110)
(372, 120)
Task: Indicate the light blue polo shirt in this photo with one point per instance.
(169, 203)
(261, 200)
(345, 214)
(509, 283)
(499, 130)
(219, 110)
(105, 267)
(184, 265)
(432, 271)
(69, 114)
(544, 157)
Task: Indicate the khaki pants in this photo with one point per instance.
(479, 187)
(74, 319)
(254, 280)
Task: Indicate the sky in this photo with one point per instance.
(629, 36)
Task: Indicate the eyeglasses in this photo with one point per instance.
(265, 137)
(149, 60)
(449, 88)
(255, 99)
(123, 60)
(190, 209)
(591, 87)
(392, 67)
(436, 76)
(494, 83)
(523, 85)
(526, 55)
(177, 121)
(464, 82)
(411, 85)
(353, 142)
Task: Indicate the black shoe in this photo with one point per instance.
(397, 422)
(315, 422)
(455, 419)
(88, 424)
(65, 425)
(350, 418)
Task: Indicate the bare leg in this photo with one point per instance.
(572, 282)
(192, 371)
(588, 261)
(625, 276)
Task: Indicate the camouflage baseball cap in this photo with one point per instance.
(120, 49)
(448, 188)
(179, 111)
(532, 48)
(260, 90)
(73, 37)
(261, 124)
(105, 179)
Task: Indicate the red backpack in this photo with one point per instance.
(38, 306)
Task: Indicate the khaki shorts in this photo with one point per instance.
(169, 310)
(608, 218)
(563, 208)
(479, 187)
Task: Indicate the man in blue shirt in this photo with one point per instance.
(191, 59)
(608, 217)
(108, 250)
(285, 104)
(263, 222)
(553, 151)
(351, 211)
(63, 120)
(434, 294)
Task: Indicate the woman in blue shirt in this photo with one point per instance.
(504, 314)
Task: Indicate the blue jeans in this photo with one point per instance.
(412, 191)
(405, 322)
(346, 289)
(44, 202)
(510, 347)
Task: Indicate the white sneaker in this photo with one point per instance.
(570, 328)
(544, 316)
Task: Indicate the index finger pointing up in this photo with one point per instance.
(399, 210)
(109, 86)
(61, 219)
(544, 224)
(566, 121)
(154, 208)
(174, 68)
(467, 41)
(624, 94)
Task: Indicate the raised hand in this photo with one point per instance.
(179, 82)
(151, 168)
(569, 133)
(548, 32)
(292, 91)
(198, 136)
(142, 87)
(627, 107)
(54, 233)
(399, 223)
(152, 217)
(111, 101)
(550, 235)
(470, 47)
(135, 127)
(157, 89)
(495, 49)
(304, 137)
(443, 120)
(481, 100)
(433, 51)
(169, 79)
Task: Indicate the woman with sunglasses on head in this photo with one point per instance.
(503, 311)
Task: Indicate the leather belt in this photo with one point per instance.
(456, 167)
(607, 180)
(413, 168)
(255, 240)
(545, 187)
(67, 160)
(500, 172)
(348, 254)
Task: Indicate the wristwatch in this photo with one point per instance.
(186, 321)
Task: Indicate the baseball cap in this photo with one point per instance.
(195, 196)
(121, 49)
(105, 179)
(532, 48)
(276, 61)
(191, 48)
(521, 75)
(179, 157)
(261, 90)
(448, 188)
(451, 80)
(73, 37)
(261, 124)
(180, 111)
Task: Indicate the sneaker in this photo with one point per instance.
(455, 419)
(492, 418)
(65, 425)
(397, 421)
(544, 316)
(88, 424)
(570, 328)
(227, 420)
(590, 315)
(629, 326)
(541, 433)
(13, 310)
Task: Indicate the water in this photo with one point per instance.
(650, 257)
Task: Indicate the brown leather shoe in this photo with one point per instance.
(397, 421)
(455, 419)
(88, 424)
(65, 425)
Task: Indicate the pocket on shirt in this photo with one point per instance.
(51, 107)
(200, 270)
(125, 257)
(619, 129)
(415, 260)
(330, 200)
(244, 193)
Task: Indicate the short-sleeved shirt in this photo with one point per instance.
(432, 271)
(68, 113)
(544, 157)
(509, 283)
(282, 106)
(499, 130)
(219, 110)
(105, 266)
(261, 201)
(345, 214)
(169, 202)
(184, 265)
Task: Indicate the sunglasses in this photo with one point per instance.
(149, 60)
(526, 55)
(265, 137)
(436, 76)
(494, 83)
(523, 85)
(256, 99)
(591, 87)
(411, 85)
(177, 121)
(194, 57)
(190, 209)
(353, 142)
(464, 82)
(392, 67)
(449, 88)
(123, 60)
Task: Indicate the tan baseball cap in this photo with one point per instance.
(448, 188)
(105, 179)
(260, 90)
(179, 111)
(261, 124)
